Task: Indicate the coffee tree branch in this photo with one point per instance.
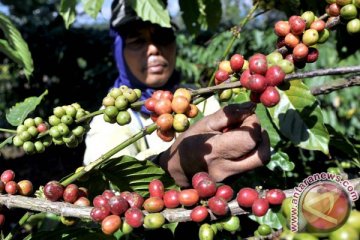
(70, 210)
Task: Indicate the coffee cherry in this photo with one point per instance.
(42, 127)
(130, 95)
(343, 2)
(11, 187)
(153, 221)
(110, 224)
(118, 205)
(126, 229)
(258, 65)
(153, 204)
(264, 230)
(310, 37)
(157, 94)
(25, 187)
(163, 106)
(17, 141)
(7, 176)
(280, 42)
(134, 217)
(318, 25)
(348, 12)
(150, 104)
(231, 224)
(121, 103)
(291, 40)
(97, 214)
(100, 201)
(297, 25)
(199, 214)
(333, 10)
(180, 104)
(225, 66)
(166, 136)
(188, 197)
(165, 121)
(323, 36)
(255, 97)
(192, 111)
(275, 196)
(111, 111)
(282, 28)
(71, 193)
(53, 191)
(183, 92)
(236, 62)
(246, 197)
(353, 26)
(171, 198)
(244, 78)
(29, 122)
(270, 97)
(225, 192)
(2, 220)
(312, 56)
(257, 83)
(115, 92)
(274, 76)
(123, 118)
(308, 17)
(2, 186)
(156, 188)
(225, 95)
(82, 201)
(198, 177)
(221, 76)
(134, 199)
(206, 188)
(181, 122)
(260, 207)
(286, 66)
(273, 58)
(206, 232)
(218, 206)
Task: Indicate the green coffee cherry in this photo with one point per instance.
(130, 95)
(231, 224)
(33, 131)
(46, 140)
(121, 103)
(348, 12)
(63, 129)
(38, 120)
(80, 113)
(76, 106)
(108, 101)
(309, 17)
(115, 92)
(353, 26)
(123, 118)
(54, 132)
(225, 95)
(111, 111)
(126, 228)
(154, 220)
(310, 37)
(181, 122)
(138, 93)
(70, 111)
(264, 230)
(29, 122)
(78, 131)
(66, 119)
(109, 120)
(286, 66)
(69, 138)
(21, 128)
(274, 58)
(54, 120)
(58, 141)
(59, 112)
(25, 136)
(323, 36)
(206, 232)
(29, 147)
(72, 144)
(123, 88)
(17, 141)
(39, 146)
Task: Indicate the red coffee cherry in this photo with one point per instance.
(225, 192)
(156, 188)
(275, 196)
(297, 25)
(134, 217)
(291, 40)
(274, 76)
(157, 94)
(165, 121)
(221, 76)
(333, 10)
(7, 176)
(166, 136)
(118, 205)
(199, 176)
(318, 25)
(300, 52)
(218, 206)
(163, 106)
(71, 193)
(257, 83)
(171, 198)
(188, 197)
(260, 207)
(153, 204)
(246, 197)
(108, 194)
(11, 187)
(258, 65)
(282, 28)
(53, 191)
(150, 104)
(236, 62)
(25, 187)
(313, 55)
(167, 94)
(82, 201)
(206, 188)
(100, 201)
(244, 78)
(2, 220)
(97, 214)
(180, 104)
(192, 111)
(270, 97)
(110, 224)
(255, 97)
(199, 214)
(133, 198)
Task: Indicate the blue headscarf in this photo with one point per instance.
(127, 78)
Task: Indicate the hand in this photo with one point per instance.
(225, 143)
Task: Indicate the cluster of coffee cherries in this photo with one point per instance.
(64, 128)
(348, 11)
(299, 35)
(171, 111)
(249, 198)
(10, 186)
(55, 191)
(28, 136)
(116, 103)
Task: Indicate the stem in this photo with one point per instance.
(71, 210)
(145, 131)
(90, 115)
(21, 222)
(7, 130)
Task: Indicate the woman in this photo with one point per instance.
(145, 55)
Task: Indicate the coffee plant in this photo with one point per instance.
(121, 197)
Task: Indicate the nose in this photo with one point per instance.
(152, 49)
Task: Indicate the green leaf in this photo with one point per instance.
(92, 7)
(342, 143)
(190, 14)
(268, 124)
(273, 219)
(280, 160)
(171, 226)
(153, 11)
(213, 11)
(20, 111)
(14, 46)
(128, 173)
(7, 141)
(67, 11)
(299, 118)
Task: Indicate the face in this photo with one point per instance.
(150, 53)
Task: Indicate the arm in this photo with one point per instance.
(225, 143)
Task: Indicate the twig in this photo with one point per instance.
(70, 210)
(343, 83)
